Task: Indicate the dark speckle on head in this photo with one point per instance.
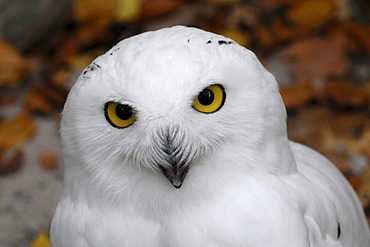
(114, 50)
(209, 41)
(224, 42)
(91, 67)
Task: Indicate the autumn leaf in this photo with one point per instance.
(10, 160)
(49, 160)
(361, 33)
(297, 95)
(318, 57)
(346, 94)
(128, 10)
(99, 12)
(16, 131)
(37, 103)
(310, 14)
(236, 34)
(13, 65)
(156, 8)
(42, 240)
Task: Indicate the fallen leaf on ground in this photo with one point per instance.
(94, 12)
(36, 103)
(49, 161)
(42, 240)
(361, 32)
(128, 10)
(56, 96)
(10, 160)
(60, 77)
(75, 43)
(296, 95)
(13, 65)
(156, 8)
(346, 94)
(14, 132)
(310, 14)
(364, 191)
(236, 34)
(318, 57)
(355, 181)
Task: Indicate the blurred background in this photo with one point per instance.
(318, 50)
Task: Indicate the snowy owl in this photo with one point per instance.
(177, 138)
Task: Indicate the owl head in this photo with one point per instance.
(169, 102)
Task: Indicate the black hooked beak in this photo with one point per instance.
(175, 175)
(177, 161)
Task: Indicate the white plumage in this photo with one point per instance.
(195, 109)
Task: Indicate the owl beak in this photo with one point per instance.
(173, 153)
(175, 174)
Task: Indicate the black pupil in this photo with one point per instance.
(124, 112)
(206, 97)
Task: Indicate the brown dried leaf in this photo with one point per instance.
(8, 100)
(236, 34)
(364, 191)
(310, 14)
(346, 94)
(94, 12)
(85, 35)
(318, 57)
(60, 77)
(283, 32)
(355, 181)
(12, 65)
(49, 161)
(155, 8)
(54, 95)
(37, 103)
(128, 10)
(270, 37)
(14, 132)
(361, 33)
(297, 95)
(10, 160)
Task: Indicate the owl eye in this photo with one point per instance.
(211, 99)
(119, 115)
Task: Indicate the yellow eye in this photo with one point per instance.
(119, 115)
(211, 99)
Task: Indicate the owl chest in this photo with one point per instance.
(218, 224)
(244, 220)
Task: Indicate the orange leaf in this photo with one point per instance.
(297, 95)
(319, 57)
(10, 160)
(37, 103)
(128, 10)
(346, 94)
(312, 13)
(42, 240)
(240, 37)
(94, 11)
(156, 8)
(12, 65)
(16, 131)
(49, 161)
(361, 33)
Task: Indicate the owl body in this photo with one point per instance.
(178, 138)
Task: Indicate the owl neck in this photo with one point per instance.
(279, 157)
